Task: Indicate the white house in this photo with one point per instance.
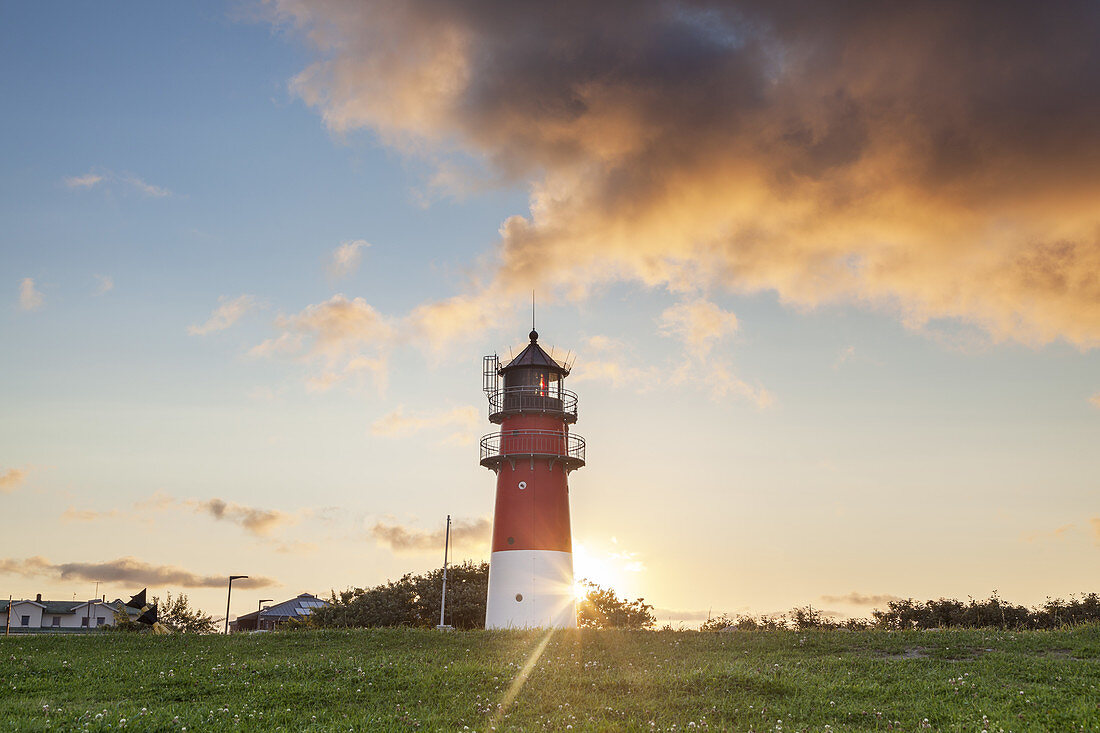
(39, 616)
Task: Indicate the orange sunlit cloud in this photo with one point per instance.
(877, 157)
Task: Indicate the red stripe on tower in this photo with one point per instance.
(531, 566)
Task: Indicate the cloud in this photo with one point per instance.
(1095, 400)
(345, 258)
(285, 344)
(1095, 522)
(698, 323)
(462, 420)
(72, 514)
(443, 322)
(29, 297)
(845, 354)
(260, 522)
(256, 521)
(343, 337)
(225, 315)
(331, 329)
(93, 179)
(605, 359)
(146, 188)
(934, 159)
(377, 368)
(347, 337)
(123, 570)
(104, 283)
(674, 615)
(602, 358)
(296, 548)
(470, 534)
(85, 181)
(11, 479)
(861, 599)
(1057, 533)
(719, 378)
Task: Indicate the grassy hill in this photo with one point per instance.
(391, 679)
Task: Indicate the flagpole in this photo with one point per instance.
(443, 599)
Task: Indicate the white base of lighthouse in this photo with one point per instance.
(531, 589)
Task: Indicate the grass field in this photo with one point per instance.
(587, 680)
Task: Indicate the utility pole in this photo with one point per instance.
(228, 596)
(443, 600)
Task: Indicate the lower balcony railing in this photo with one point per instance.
(510, 444)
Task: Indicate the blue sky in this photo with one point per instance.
(940, 458)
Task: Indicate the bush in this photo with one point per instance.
(412, 601)
(601, 608)
(990, 613)
(943, 613)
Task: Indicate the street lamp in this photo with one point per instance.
(260, 608)
(228, 596)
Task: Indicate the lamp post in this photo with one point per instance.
(228, 596)
(260, 608)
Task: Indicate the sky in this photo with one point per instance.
(831, 279)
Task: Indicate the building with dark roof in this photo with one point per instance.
(272, 617)
(40, 616)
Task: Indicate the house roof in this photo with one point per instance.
(298, 607)
(535, 356)
(59, 607)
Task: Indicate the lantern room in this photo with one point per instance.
(533, 383)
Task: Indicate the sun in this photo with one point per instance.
(598, 568)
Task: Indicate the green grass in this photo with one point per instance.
(412, 679)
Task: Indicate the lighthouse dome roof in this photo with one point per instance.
(535, 356)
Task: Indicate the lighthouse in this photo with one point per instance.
(532, 455)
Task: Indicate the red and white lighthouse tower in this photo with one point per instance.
(531, 566)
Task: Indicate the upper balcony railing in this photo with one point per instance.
(532, 398)
(511, 444)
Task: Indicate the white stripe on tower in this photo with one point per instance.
(531, 589)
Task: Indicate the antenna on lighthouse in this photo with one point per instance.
(443, 599)
(532, 309)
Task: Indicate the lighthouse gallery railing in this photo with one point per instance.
(549, 443)
(531, 398)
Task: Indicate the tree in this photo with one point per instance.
(177, 614)
(601, 608)
(413, 600)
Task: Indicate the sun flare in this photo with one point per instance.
(608, 567)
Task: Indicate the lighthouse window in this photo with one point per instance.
(540, 380)
(519, 597)
(511, 540)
